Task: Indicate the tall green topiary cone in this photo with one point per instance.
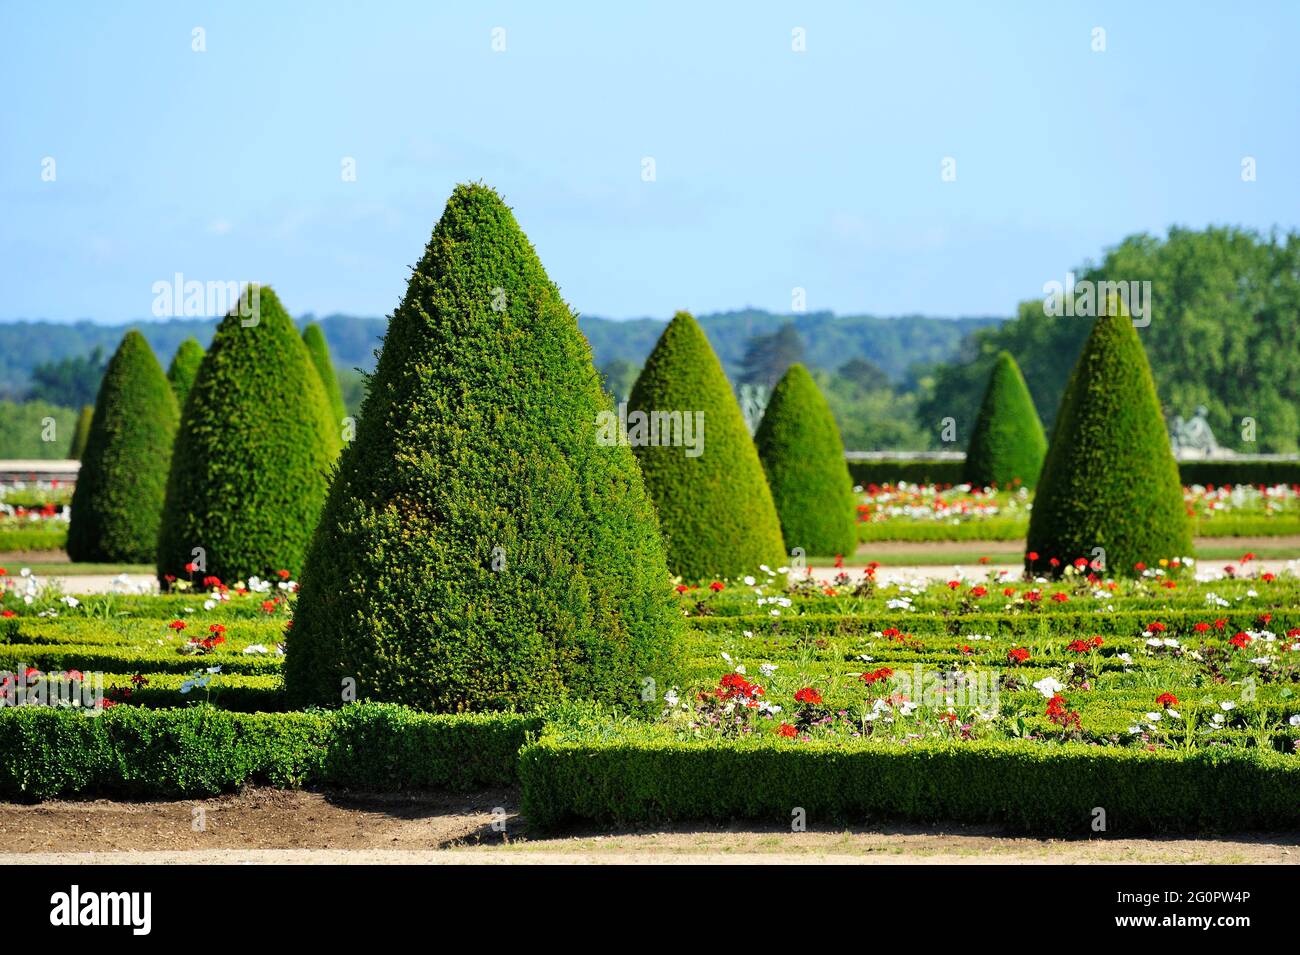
(319, 350)
(119, 494)
(1110, 479)
(81, 433)
(184, 368)
(1008, 440)
(802, 452)
(481, 548)
(714, 506)
(250, 468)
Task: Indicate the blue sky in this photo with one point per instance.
(774, 169)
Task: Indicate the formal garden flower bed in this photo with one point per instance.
(1185, 675)
(931, 512)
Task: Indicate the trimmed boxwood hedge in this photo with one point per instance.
(480, 548)
(319, 349)
(802, 452)
(1008, 443)
(131, 751)
(643, 777)
(253, 453)
(1218, 473)
(892, 471)
(715, 509)
(1110, 480)
(117, 503)
(184, 369)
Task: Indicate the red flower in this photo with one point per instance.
(1032, 555)
(808, 695)
(1018, 655)
(954, 584)
(716, 586)
(875, 676)
(1079, 646)
(1201, 627)
(1220, 624)
(1267, 577)
(216, 628)
(1054, 562)
(284, 574)
(1139, 566)
(191, 568)
(1167, 700)
(965, 649)
(682, 588)
(839, 560)
(1060, 598)
(787, 730)
(7, 613)
(1157, 627)
(268, 606)
(1240, 640)
(177, 625)
(979, 591)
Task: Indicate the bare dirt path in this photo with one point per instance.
(269, 826)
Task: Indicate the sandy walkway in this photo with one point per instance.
(267, 825)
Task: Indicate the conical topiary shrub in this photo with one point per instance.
(700, 465)
(803, 456)
(1110, 480)
(319, 350)
(481, 548)
(119, 494)
(81, 433)
(184, 368)
(1008, 441)
(250, 467)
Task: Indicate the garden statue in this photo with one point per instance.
(1194, 438)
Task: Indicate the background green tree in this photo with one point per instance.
(253, 452)
(1008, 442)
(803, 457)
(184, 369)
(319, 350)
(715, 510)
(1109, 480)
(117, 502)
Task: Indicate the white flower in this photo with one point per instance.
(740, 668)
(1295, 720)
(1049, 686)
(1228, 705)
(71, 601)
(1174, 714)
(1153, 717)
(749, 581)
(671, 697)
(767, 669)
(256, 648)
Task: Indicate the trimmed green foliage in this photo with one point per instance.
(640, 776)
(252, 456)
(81, 434)
(803, 457)
(119, 494)
(319, 350)
(480, 549)
(1008, 441)
(715, 508)
(200, 751)
(1110, 480)
(890, 471)
(184, 369)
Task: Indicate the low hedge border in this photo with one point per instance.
(130, 751)
(890, 471)
(1027, 786)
